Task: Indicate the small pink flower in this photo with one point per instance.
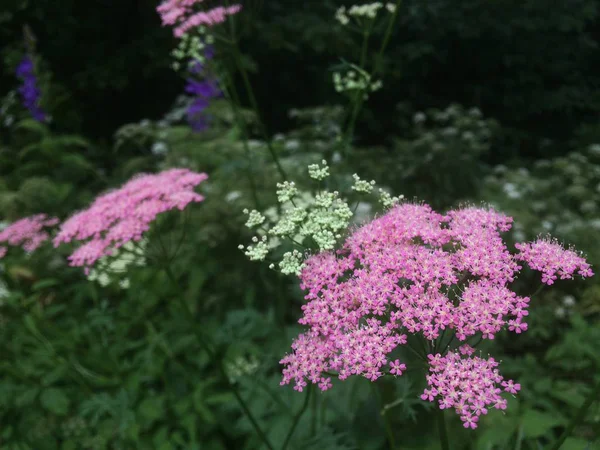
(183, 16)
(28, 233)
(396, 368)
(553, 260)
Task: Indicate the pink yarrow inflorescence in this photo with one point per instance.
(411, 271)
(27, 233)
(550, 258)
(467, 383)
(125, 214)
(182, 15)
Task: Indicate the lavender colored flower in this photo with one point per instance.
(203, 91)
(29, 91)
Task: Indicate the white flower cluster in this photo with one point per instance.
(358, 12)
(319, 221)
(317, 172)
(191, 48)
(362, 185)
(355, 80)
(241, 367)
(386, 199)
(111, 268)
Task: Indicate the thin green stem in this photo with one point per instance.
(410, 347)
(388, 428)
(578, 417)
(538, 290)
(234, 100)
(442, 430)
(297, 417)
(246, 80)
(211, 353)
(378, 67)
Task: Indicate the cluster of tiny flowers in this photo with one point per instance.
(356, 80)
(321, 219)
(125, 214)
(109, 268)
(550, 258)
(410, 271)
(194, 49)
(182, 15)
(29, 91)
(362, 185)
(27, 233)
(387, 200)
(358, 12)
(467, 383)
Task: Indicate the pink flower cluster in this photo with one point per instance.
(123, 215)
(181, 14)
(27, 233)
(411, 271)
(468, 384)
(550, 258)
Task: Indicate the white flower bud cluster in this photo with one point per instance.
(358, 12)
(258, 251)
(286, 191)
(317, 172)
(303, 219)
(191, 48)
(291, 263)
(111, 268)
(362, 185)
(387, 200)
(254, 218)
(241, 367)
(355, 80)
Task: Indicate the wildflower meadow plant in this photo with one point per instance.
(411, 274)
(27, 233)
(125, 214)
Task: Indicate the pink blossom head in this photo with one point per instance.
(182, 15)
(28, 233)
(553, 260)
(468, 384)
(125, 214)
(415, 271)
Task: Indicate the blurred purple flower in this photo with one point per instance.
(203, 91)
(29, 90)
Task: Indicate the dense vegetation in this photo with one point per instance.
(481, 103)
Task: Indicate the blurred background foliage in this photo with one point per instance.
(483, 102)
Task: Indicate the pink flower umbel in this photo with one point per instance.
(469, 384)
(27, 233)
(125, 214)
(182, 16)
(414, 271)
(550, 258)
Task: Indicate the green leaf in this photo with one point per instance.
(575, 444)
(55, 401)
(46, 283)
(536, 424)
(151, 409)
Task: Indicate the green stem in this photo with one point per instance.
(388, 428)
(297, 418)
(578, 417)
(376, 70)
(442, 430)
(252, 98)
(232, 94)
(211, 354)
